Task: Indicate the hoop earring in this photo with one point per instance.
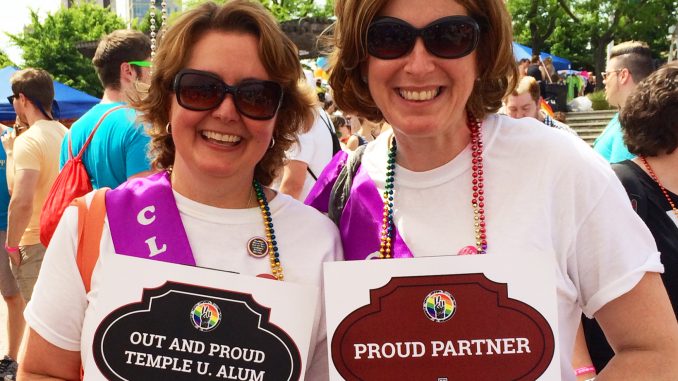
(168, 128)
(272, 143)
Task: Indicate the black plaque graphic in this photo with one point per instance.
(185, 332)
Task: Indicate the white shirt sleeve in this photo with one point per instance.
(57, 308)
(612, 248)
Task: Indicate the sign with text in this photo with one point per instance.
(179, 322)
(410, 319)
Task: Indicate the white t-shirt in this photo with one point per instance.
(545, 192)
(314, 149)
(59, 309)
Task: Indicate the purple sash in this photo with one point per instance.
(361, 220)
(144, 221)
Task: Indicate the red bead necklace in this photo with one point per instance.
(477, 200)
(656, 180)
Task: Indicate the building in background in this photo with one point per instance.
(103, 3)
(130, 10)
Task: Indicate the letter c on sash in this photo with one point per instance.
(141, 217)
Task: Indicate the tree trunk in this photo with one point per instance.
(600, 60)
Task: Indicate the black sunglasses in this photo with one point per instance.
(11, 99)
(201, 91)
(449, 37)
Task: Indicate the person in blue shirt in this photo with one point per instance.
(118, 149)
(630, 62)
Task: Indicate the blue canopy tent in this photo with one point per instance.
(522, 51)
(72, 103)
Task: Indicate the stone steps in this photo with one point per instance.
(589, 124)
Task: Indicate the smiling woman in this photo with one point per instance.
(453, 178)
(224, 104)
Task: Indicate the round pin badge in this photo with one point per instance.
(439, 306)
(257, 247)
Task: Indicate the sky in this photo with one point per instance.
(15, 14)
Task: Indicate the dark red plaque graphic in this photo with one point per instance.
(443, 327)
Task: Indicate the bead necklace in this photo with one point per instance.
(273, 253)
(477, 200)
(271, 243)
(656, 180)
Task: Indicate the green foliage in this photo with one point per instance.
(534, 21)
(50, 44)
(4, 60)
(599, 100)
(283, 10)
(583, 36)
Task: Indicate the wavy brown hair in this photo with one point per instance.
(649, 117)
(277, 53)
(497, 68)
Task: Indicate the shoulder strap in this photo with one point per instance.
(90, 228)
(342, 187)
(335, 141)
(91, 134)
(336, 145)
(327, 123)
(315, 178)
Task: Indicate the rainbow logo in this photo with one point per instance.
(205, 316)
(439, 306)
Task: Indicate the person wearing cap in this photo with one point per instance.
(118, 149)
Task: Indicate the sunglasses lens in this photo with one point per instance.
(388, 40)
(451, 39)
(258, 99)
(199, 92)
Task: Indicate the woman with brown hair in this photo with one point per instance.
(454, 178)
(649, 122)
(224, 105)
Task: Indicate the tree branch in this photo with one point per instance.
(563, 4)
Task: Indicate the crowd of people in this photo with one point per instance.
(429, 140)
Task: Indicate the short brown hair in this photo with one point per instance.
(116, 48)
(527, 84)
(497, 68)
(649, 118)
(636, 56)
(278, 55)
(35, 84)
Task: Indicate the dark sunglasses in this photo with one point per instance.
(449, 37)
(201, 91)
(11, 99)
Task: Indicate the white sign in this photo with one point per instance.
(349, 285)
(185, 322)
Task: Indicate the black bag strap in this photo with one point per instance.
(315, 178)
(336, 146)
(341, 189)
